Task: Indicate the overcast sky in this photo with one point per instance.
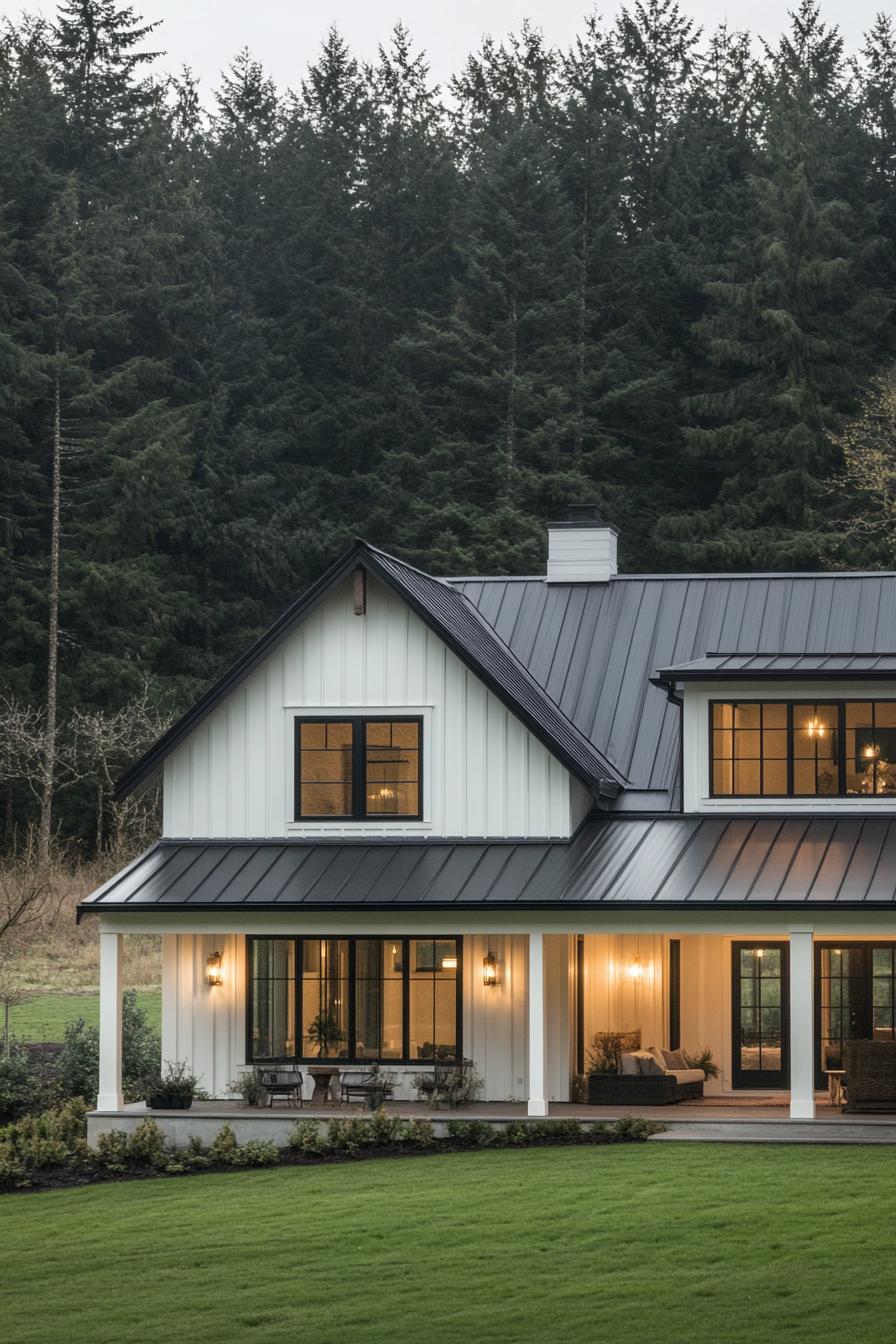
(285, 34)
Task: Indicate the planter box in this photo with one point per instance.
(619, 1089)
(160, 1101)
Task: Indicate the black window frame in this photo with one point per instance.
(350, 1059)
(864, 1007)
(839, 704)
(359, 724)
(760, 1079)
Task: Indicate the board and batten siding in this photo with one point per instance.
(206, 1026)
(484, 773)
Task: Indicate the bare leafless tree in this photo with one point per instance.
(102, 744)
(868, 444)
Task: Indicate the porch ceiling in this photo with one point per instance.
(695, 861)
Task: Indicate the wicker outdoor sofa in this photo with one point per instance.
(870, 1075)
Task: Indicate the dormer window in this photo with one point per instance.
(353, 769)
(803, 749)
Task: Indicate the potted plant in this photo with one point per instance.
(325, 1032)
(382, 1086)
(173, 1089)
(250, 1087)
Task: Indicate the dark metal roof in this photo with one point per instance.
(458, 624)
(594, 647)
(745, 666)
(634, 861)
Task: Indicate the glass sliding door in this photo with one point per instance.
(855, 999)
(759, 1015)
(840, 995)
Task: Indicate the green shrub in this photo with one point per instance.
(21, 1090)
(12, 1172)
(385, 1130)
(192, 1158)
(147, 1145)
(112, 1150)
(551, 1130)
(223, 1146)
(348, 1135)
(256, 1153)
(516, 1134)
(419, 1134)
(476, 1133)
(305, 1137)
(78, 1064)
(633, 1129)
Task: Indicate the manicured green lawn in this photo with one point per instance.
(654, 1244)
(45, 1018)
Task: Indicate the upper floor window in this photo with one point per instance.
(803, 749)
(358, 769)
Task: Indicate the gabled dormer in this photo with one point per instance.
(787, 732)
(381, 704)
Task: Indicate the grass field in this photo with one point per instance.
(46, 1017)
(649, 1244)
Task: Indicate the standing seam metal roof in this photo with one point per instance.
(594, 647)
(696, 861)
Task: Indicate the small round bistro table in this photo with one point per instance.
(835, 1086)
(323, 1075)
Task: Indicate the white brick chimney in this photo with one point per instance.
(581, 548)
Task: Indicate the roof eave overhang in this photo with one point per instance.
(380, 907)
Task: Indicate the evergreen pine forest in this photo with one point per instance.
(241, 326)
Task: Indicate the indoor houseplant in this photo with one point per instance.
(325, 1031)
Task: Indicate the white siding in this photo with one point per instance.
(695, 728)
(206, 1026)
(484, 772)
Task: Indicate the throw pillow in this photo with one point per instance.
(675, 1059)
(629, 1065)
(648, 1065)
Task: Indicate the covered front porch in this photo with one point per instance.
(771, 998)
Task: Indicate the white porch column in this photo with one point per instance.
(538, 1104)
(109, 1097)
(802, 1032)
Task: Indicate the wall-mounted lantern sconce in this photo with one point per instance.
(213, 973)
(489, 969)
(635, 969)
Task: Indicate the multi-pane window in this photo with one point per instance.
(855, 998)
(354, 999)
(358, 768)
(802, 749)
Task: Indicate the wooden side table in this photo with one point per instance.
(835, 1086)
(323, 1075)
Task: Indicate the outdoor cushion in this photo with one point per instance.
(687, 1075)
(658, 1056)
(628, 1064)
(674, 1059)
(649, 1066)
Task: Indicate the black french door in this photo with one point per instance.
(760, 1015)
(855, 999)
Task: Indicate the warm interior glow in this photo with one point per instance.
(449, 963)
(213, 969)
(815, 728)
(870, 752)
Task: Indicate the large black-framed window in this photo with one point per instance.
(855, 998)
(396, 1000)
(802, 748)
(354, 769)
